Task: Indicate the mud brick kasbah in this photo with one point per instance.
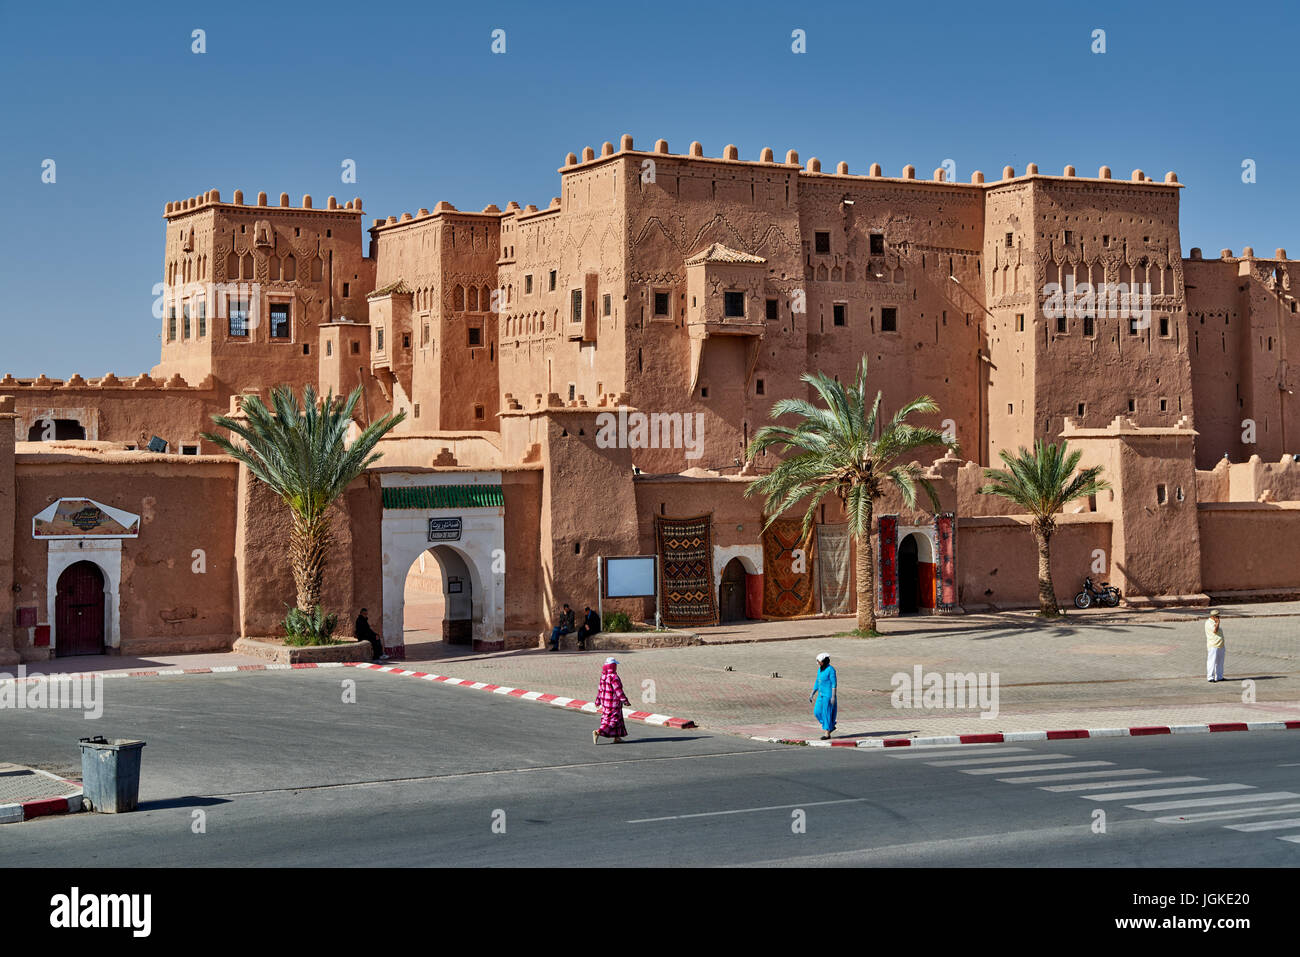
(693, 289)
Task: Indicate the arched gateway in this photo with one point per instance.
(457, 521)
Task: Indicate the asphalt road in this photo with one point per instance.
(279, 770)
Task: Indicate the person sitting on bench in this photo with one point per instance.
(590, 626)
(563, 626)
(365, 633)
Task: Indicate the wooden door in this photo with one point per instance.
(79, 611)
(731, 592)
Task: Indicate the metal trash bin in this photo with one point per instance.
(110, 774)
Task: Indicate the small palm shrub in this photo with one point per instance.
(617, 621)
(310, 628)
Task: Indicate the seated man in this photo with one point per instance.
(365, 633)
(590, 626)
(563, 626)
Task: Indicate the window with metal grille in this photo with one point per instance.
(528, 285)
(475, 336)
(203, 318)
(379, 338)
(238, 309)
(1089, 326)
(877, 244)
(733, 305)
(171, 324)
(822, 242)
(552, 289)
(575, 306)
(280, 320)
(773, 310)
(889, 319)
(661, 304)
(607, 304)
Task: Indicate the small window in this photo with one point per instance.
(1105, 240)
(1062, 324)
(185, 320)
(416, 411)
(306, 348)
(1133, 325)
(356, 348)
(1020, 322)
(889, 319)
(661, 304)
(1081, 408)
(704, 392)
(279, 320)
(606, 304)
(1089, 328)
(773, 310)
(424, 335)
(1008, 240)
(822, 242)
(1011, 408)
(759, 387)
(838, 311)
(1132, 405)
(189, 450)
(528, 284)
(238, 318)
(346, 290)
(329, 348)
(575, 312)
(1162, 494)
(1069, 237)
(406, 340)
(733, 305)
(877, 244)
(573, 391)
(171, 324)
(379, 339)
(552, 288)
(203, 318)
(475, 336)
(478, 412)
(1164, 327)
(1164, 405)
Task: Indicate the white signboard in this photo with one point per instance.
(630, 577)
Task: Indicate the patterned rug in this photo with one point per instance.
(685, 547)
(787, 576)
(834, 576)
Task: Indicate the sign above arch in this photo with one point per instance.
(84, 518)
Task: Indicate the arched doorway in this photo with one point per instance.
(55, 430)
(731, 592)
(915, 575)
(439, 598)
(79, 611)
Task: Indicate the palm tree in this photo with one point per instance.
(837, 449)
(302, 454)
(1041, 483)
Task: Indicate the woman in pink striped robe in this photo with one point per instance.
(610, 699)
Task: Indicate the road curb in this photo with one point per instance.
(559, 701)
(42, 807)
(177, 672)
(1001, 737)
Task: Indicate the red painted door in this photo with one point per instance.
(79, 611)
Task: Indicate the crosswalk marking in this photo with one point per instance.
(1161, 792)
(906, 753)
(1265, 825)
(1226, 815)
(1103, 785)
(951, 763)
(1208, 802)
(1039, 767)
(1075, 775)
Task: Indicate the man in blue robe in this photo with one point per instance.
(824, 692)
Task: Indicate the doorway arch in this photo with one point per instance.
(915, 575)
(441, 597)
(731, 592)
(79, 610)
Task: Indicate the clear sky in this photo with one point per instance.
(413, 93)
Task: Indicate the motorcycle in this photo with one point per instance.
(1103, 594)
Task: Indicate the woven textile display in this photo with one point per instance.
(685, 547)
(834, 575)
(787, 577)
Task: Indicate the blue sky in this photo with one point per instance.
(413, 94)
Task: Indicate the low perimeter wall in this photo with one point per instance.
(997, 559)
(1250, 547)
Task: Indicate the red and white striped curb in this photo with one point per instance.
(40, 807)
(558, 701)
(999, 737)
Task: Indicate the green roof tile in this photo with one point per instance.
(444, 496)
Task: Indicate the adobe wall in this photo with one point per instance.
(997, 559)
(127, 411)
(1250, 547)
(526, 612)
(184, 504)
(8, 529)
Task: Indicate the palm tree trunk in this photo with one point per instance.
(1046, 592)
(308, 549)
(866, 574)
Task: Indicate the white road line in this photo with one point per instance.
(1224, 815)
(1075, 775)
(1041, 767)
(948, 752)
(1161, 792)
(1102, 785)
(1265, 825)
(746, 810)
(950, 763)
(1209, 802)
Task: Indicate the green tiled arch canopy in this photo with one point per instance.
(444, 496)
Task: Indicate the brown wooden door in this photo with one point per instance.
(79, 611)
(731, 592)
